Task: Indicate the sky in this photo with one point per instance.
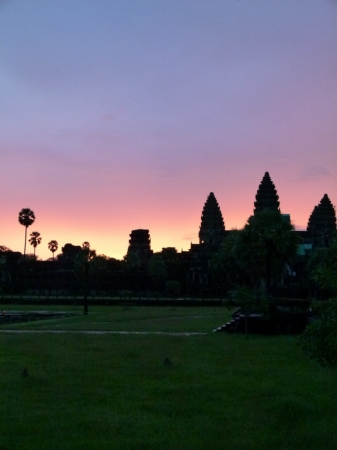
(124, 114)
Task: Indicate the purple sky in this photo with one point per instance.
(116, 115)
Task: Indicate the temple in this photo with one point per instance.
(320, 230)
(140, 244)
(322, 223)
(266, 196)
(212, 228)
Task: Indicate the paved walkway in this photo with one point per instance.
(165, 333)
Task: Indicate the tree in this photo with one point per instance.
(26, 218)
(82, 259)
(258, 253)
(85, 245)
(227, 265)
(319, 340)
(4, 249)
(30, 257)
(268, 243)
(53, 246)
(323, 267)
(87, 252)
(99, 271)
(157, 271)
(131, 263)
(100, 264)
(173, 265)
(35, 239)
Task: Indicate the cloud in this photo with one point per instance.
(314, 173)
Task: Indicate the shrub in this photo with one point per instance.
(319, 340)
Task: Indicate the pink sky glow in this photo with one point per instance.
(127, 114)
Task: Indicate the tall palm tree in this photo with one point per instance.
(26, 218)
(35, 239)
(53, 246)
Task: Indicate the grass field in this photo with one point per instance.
(129, 318)
(115, 392)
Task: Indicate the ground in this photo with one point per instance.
(115, 391)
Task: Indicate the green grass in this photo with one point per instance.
(130, 318)
(115, 392)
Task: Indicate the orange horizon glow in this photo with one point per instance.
(109, 234)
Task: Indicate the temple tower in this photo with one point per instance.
(322, 223)
(266, 196)
(212, 228)
(140, 244)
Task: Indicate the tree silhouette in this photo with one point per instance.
(83, 259)
(320, 337)
(53, 246)
(258, 253)
(157, 271)
(35, 239)
(85, 245)
(87, 252)
(323, 268)
(26, 218)
(268, 243)
(3, 248)
(131, 263)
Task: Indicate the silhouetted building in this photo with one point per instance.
(211, 235)
(9, 263)
(212, 228)
(68, 256)
(266, 196)
(140, 244)
(322, 223)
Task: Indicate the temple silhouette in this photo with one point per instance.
(190, 269)
(212, 227)
(140, 245)
(322, 223)
(320, 230)
(266, 196)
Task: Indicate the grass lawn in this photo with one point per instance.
(129, 318)
(115, 392)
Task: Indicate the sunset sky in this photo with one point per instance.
(119, 114)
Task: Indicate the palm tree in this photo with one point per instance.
(26, 218)
(35, 239)
(87, 252)
(85, 245)
(53, 246)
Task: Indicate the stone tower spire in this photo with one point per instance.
(322, 222)
(140, 244)
(212, 228)
(266, 196)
